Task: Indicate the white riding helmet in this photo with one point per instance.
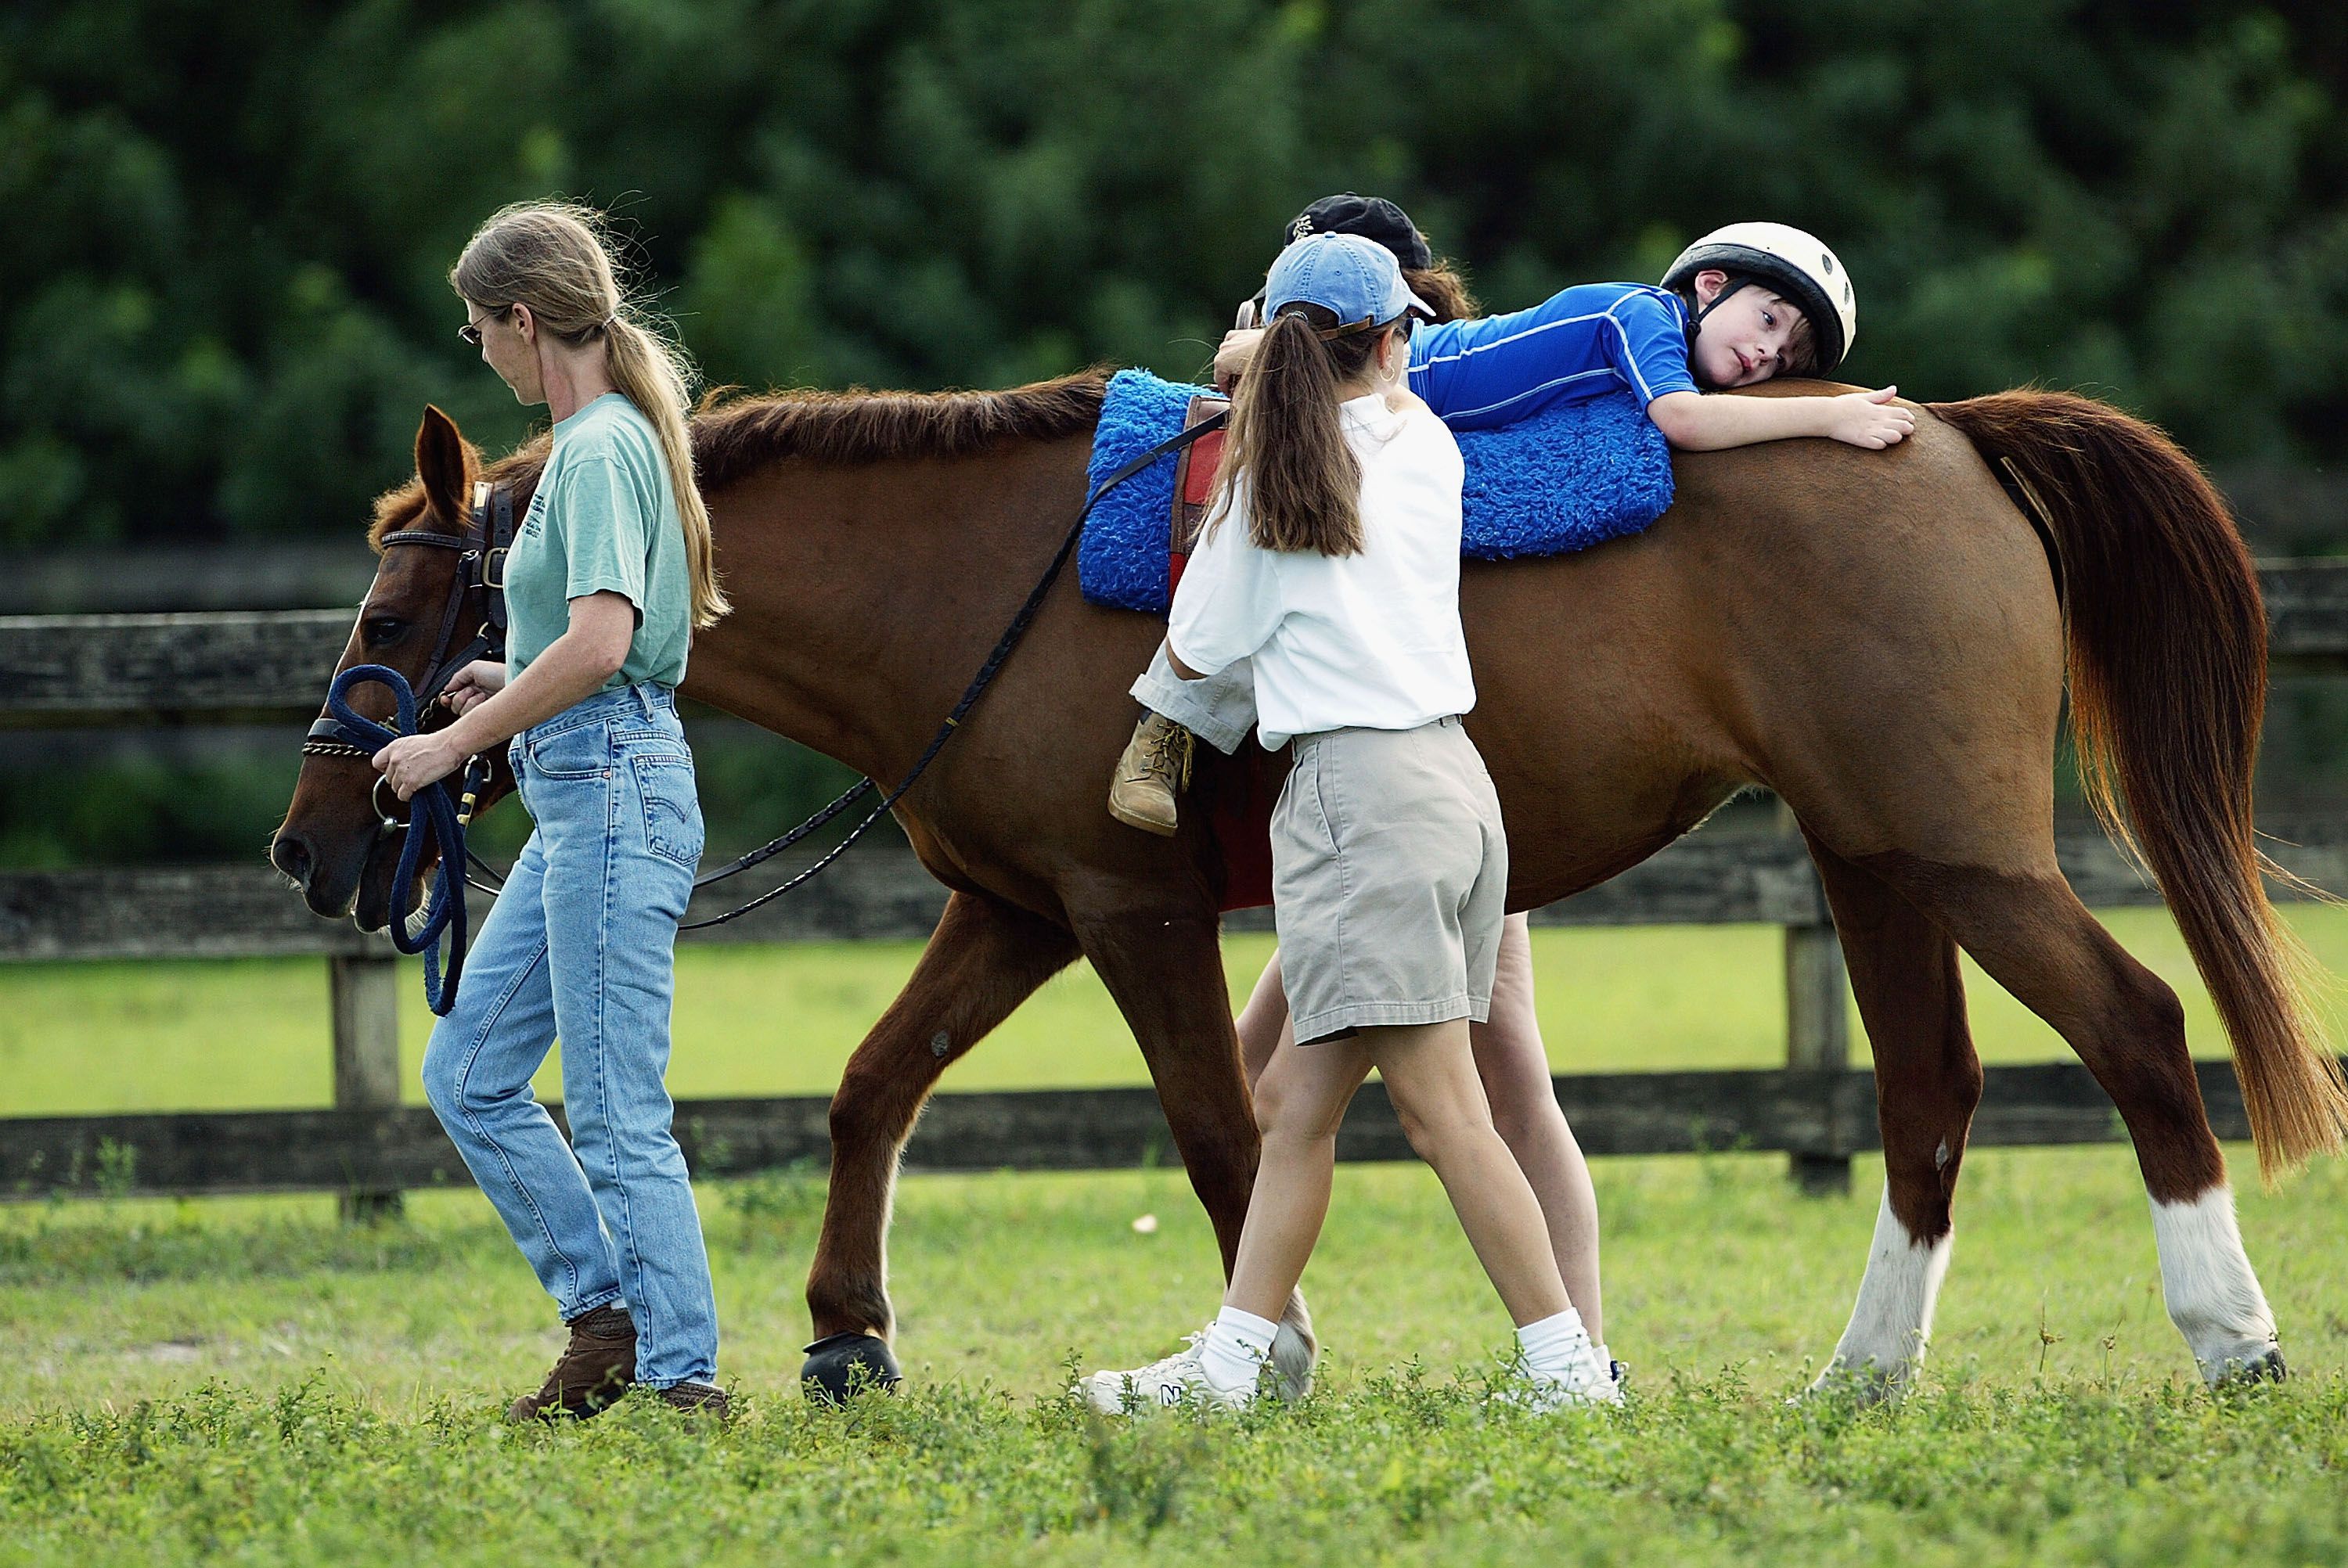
(1796, 263)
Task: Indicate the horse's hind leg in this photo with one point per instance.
(2033, 935)
(1165, 969)
(985, 959)
(1903, 970)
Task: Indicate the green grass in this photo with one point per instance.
(218, 1035)
(244, 1381)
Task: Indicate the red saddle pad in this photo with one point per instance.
(1194, 486)
(1240, 814)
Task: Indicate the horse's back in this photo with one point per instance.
(1862, 632)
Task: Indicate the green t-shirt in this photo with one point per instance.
(604, 519)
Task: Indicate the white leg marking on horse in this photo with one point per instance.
(2213, 1296)
(1296, 1347)
(1892, 1318)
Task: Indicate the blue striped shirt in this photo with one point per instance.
(1590, 339)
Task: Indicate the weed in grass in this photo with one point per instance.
(117, 1167)
(1137, 1470)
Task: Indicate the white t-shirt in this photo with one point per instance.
(1369, 640)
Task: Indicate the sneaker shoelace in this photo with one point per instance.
(1164, 1379)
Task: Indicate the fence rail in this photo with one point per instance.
(1815, 1115)
(222, 668)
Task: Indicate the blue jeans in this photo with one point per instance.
(582, 944)
(1218, 710)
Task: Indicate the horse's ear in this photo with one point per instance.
(445, 465)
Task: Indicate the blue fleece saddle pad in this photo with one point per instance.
(1573, 476)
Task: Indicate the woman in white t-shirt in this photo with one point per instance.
(1331, 562)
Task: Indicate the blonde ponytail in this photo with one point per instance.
(552, 256)
(654, 374)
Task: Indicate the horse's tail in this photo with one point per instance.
(2166, 643)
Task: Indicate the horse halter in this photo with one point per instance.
(484, 545)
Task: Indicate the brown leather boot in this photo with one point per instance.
(1155, 766)
(595, 1370)
(698, 1400)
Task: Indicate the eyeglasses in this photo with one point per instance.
(471, 331)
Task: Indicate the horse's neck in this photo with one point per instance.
(866, 598)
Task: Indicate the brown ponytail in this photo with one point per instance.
(1304, 483)
(656, 377)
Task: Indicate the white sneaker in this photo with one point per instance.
(1543, 1396)
(1589, 1384)
(1175, 1379)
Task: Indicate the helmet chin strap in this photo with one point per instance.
(1695, 321)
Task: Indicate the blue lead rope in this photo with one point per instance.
(431, 814)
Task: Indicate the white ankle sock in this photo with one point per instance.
(1605, 1359)
(1558, 1348)
(1237, 1347)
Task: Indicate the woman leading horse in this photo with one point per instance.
(608, 578)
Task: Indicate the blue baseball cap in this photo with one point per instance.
(1355, 280)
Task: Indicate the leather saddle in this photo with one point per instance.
(1194, 482)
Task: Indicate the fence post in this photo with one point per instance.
(1818, 1034)
(366, 997)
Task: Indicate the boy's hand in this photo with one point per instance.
(1870, 419)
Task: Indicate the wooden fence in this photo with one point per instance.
(121, 670)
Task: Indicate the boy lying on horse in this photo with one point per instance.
(1743, 304)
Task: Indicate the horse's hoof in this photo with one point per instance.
(1863, 1384)
(841, 1365)
(2240, 1372)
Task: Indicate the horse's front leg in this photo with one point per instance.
(985, 959)
(1165, 969)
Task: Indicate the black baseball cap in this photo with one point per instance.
(1371, 217)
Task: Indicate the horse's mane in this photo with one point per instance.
(735, 436)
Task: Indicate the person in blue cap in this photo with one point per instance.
(1330, 563)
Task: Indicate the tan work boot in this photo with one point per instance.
(595, 1370)
(1155, 768)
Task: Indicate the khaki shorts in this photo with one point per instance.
(1389, 877)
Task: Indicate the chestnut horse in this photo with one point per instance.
(1882, 639)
